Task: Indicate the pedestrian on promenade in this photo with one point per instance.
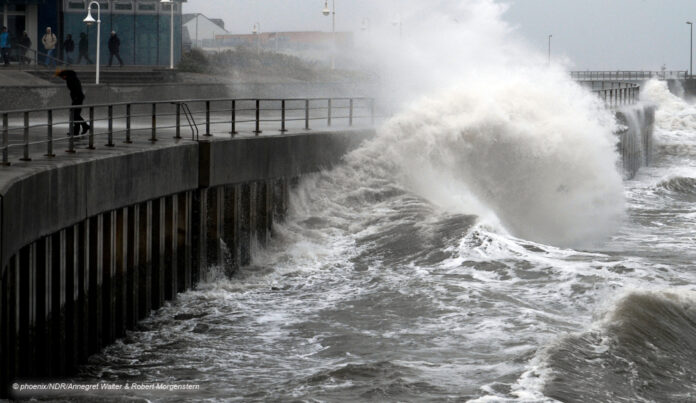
(77, 97)
(114, 47)
(49, 41)
(5, 46)
(25, 41)
(83, 48)
(68, 48)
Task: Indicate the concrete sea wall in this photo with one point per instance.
(90, 248)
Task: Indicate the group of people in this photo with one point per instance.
(50, 43)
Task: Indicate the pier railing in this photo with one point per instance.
(32, 130)
(637, 75)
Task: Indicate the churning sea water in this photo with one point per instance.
(479, 249)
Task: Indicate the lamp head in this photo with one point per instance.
(165, 1)
(89, 20)
(326, 10)
(688, 22)
(254, 30)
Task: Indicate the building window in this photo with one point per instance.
(147, 7)
(76, 5)
(165, 7)
(123, 6)
(16, 7)
(104, 6)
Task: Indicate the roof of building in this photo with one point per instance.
(188, 17)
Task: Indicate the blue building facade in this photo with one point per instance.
(143, 26)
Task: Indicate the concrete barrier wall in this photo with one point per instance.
(89, 248)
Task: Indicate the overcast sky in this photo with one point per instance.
(589, 34)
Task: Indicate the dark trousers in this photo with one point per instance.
(78, 120)
(81, 55)
(6, 55)
(111, 57)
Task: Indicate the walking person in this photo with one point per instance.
(5, 46)
(25, 42)
(68, 48)
(77, 97)
(83, 48)
(114, 47)
(49, 41)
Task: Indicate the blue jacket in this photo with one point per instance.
(5, 40)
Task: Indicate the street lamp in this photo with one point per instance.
(256, 30)
(171, 32)
(326, 13)
(691, 49)
(549, 60)
(89, 20)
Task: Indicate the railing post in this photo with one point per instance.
(307, 114)
(110, 134)
(128, 124)
(350, 113)
(153, 136)
(282, 116)
(26, 137)
(178, 121)
(90, 145)
(49, 134)
(5, 140)
(258, 131)
(234, 117)
(71, 133)
(207, 119)
(328, 116)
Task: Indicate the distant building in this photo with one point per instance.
(203, 30)
(290, 41)
(142, 26)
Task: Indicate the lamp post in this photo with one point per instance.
(171, 32)
(256, 30)
(549, 59)
(326, 13)
(89, 20)
(691, 49)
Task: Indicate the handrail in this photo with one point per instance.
(26, 128)
(45, 55)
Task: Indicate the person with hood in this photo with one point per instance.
(114, 48)
(24, 41)
(77, 97)
(49, 41)
(68, 48)
(5, 45)
(83, 48)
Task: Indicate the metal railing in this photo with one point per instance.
(637, 75)
(32, 130)
(22, 56)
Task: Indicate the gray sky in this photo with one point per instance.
(588, 34)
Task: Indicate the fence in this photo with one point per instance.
(29, 130)
(628, 75)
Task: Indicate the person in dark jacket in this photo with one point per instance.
(68, 48)
(114, 47)
(77, 97)
(5, 45)
(25, 41)
(83, 48)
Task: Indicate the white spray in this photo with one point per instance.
(501, 135)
